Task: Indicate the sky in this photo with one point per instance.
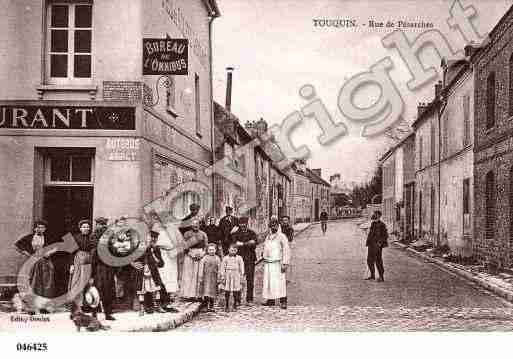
(276, 49)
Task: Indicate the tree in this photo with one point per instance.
(363, 194)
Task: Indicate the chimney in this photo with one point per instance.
(420, 108)
(228, 104)
(317, 171)
(438, 89)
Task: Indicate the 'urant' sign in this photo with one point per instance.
(165, 56)
(67, 117)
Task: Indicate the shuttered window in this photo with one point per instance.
(490, 100)
(466, 120)
(510, 110)
(491, 195)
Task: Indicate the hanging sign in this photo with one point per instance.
(165, 56)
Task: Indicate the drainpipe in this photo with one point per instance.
(212, 139)
(440, 112)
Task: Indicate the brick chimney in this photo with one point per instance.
(438, 89)
(420, 108)
(228, 104)
(317, 171)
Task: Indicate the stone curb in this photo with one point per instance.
(168, 324)
(501, 292)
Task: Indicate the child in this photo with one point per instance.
(148, 277)
(208, 272)
(232, 274)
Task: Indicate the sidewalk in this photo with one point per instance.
(500, 284)
(125, 322)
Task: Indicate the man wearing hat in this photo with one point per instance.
(226, 225)
(246, 241)
(103, 274)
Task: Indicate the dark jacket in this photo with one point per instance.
(324, 216)
(288, 231)
(378, 235)
(247, 250)
(184, 228)
(153, 258)
(25, 243)
(213, 233)
(226, 225)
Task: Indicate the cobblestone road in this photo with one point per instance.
(327, 292)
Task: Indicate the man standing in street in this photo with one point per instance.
(226, 225)
(276, 261)
(246, 241)
(324, 221)
(377, 239)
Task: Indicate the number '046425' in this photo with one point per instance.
(32, 347)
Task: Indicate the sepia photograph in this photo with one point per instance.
(197, 167)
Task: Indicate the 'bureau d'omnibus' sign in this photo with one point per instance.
(165, 56)
(67, 117)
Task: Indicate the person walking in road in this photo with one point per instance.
(246, 240)
(276, 260)
(324, 221)
(377, 239)
(226, 225)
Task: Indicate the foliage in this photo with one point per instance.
(363, 194)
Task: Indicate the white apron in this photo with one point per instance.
(276, 253)
(169, 272)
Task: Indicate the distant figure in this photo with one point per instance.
(324, 221)
(377, 239)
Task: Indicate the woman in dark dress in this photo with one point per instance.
(42, 274)
(81, 269)
(214, 234)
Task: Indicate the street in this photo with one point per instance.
(327, 292)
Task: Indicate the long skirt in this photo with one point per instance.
(232, 281)
(190, 278)
(80, 277)
(275, 282)
(169, 272)
(42, 278)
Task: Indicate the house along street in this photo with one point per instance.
(327, 291)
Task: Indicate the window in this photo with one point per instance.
(69, 42)
(69, 167)
(466, 120)
(445, 133)
(510, 110)
(432, 216)
(490, 204)
(420, 152)
(466, 196)
(197, 103)
(433, 143)
(490, 100)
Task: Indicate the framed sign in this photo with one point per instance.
(67, 117)
(165, 56)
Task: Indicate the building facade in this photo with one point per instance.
(408, 206)
(301, 210)
(493, 146)
(388, 164)
(427, 171)
(84, 133)
(457, 157)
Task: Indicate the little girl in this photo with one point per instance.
(232, 274)
(148, 277)
(208, 272)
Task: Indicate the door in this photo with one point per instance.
(64, 207)
(317, 209)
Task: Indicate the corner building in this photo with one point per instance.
(83, 132)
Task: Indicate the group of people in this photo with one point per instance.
(222, 258)
(195, 260)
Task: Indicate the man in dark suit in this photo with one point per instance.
(246, 241)
(377, 239)
(226, 225)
